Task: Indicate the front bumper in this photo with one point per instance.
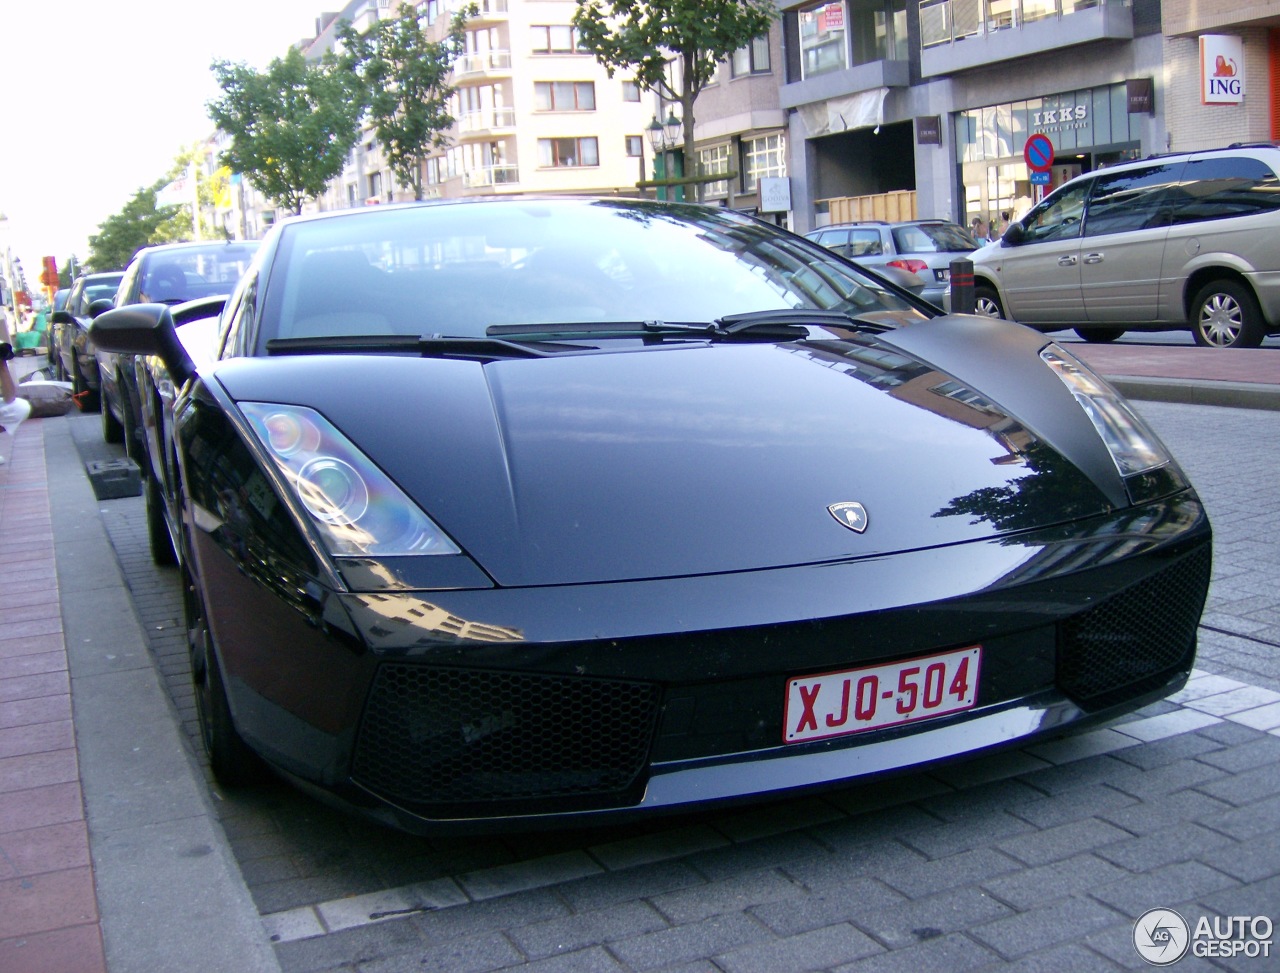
(590, 703)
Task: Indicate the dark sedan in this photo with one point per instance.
(506, 512)
(70, 352)
(170, 273)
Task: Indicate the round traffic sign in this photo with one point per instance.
(1038, 152)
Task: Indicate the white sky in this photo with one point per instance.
(101, 96)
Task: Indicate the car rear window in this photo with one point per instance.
(1215, 189)
(933, 238)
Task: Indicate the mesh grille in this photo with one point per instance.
(1136, 640)
(456, 736)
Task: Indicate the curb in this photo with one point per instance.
(1238, 395)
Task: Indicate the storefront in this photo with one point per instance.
(1088, 128)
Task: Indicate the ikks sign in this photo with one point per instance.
(1221, 69)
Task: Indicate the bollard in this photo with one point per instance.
(962, 295)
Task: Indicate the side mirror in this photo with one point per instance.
(143, 329)
(100, 305)
(62, 317)
(1013, 235)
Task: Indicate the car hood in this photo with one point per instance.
(685, 459)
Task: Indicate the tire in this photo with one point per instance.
(233, 764)
(987, 302)
(1099, 336)
(90, 399)
(1225, 315)
(112, 431)
(158, 538)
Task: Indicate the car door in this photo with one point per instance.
(1126, 223)
(1040, 275)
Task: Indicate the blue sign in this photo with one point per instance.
(1038, 152)
(1040, 178)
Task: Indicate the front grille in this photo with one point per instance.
(1134, 641)
(459, 736)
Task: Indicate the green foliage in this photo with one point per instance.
(405, 74)
(138, 224)
(644, 36)
(291, 127)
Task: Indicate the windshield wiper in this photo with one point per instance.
(428, 346)
(781, 325)
(789, 324)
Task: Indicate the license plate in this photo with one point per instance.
(856, 700)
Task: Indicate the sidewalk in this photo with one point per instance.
(143, 880)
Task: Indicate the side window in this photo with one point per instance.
(865, 243)
(1136, 199)
(1215, 189)
(239, 305)
(1058, 217)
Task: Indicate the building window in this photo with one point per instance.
(711, 161)
(556, 39)
(762, 157)
(567, 153)
(878, 31)
(635, 146)
(565, 95)
(375, 185)
(751, 59)
(630, 91)
(823, 45)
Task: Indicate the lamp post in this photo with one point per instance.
(664, 136)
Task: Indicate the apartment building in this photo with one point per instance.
(850, 98)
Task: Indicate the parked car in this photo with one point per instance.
(71, 355)
(1186, 241)
(923, 247)
(490, 512)
(171, 273)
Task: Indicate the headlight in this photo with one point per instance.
(355, 507)
(1142, 460)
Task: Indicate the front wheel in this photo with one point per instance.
(159, 540)
(1225, 315)
(987, 301)
(230, 759)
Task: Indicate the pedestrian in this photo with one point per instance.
(978, 226)
(13, 410)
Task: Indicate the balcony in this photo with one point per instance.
(489, 12)
(481, 66)
(959, 35)
(487, 177)
(486, 123)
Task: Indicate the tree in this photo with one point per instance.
(645, 35)
(406, 75)
(291, 127)
(139, 224)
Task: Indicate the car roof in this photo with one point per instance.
(890, 223)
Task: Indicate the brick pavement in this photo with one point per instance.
(1035, 859)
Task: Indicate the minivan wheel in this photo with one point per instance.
(1099, 336)
(1225, 315)
(987, 301)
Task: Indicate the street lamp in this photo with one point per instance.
(664, 137)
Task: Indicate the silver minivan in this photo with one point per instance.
(1170, 242)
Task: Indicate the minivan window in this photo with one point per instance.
(1215, 189)
(1058, 217)
(1135, 199)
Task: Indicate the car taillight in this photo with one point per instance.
(915, 266)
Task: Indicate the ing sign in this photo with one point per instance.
(1221, 69)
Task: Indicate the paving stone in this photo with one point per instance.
(1063, 921)
(583, 929)
(697, 940)
(1246, 823)
(1081, 802)
(815, 950)
(919, 879)
(859, 898)
(1063, 841)
(954, 954)
(1156, 815)
(1061, 879)
(1180, 842)
(728, 895)
(912, 922)
(1246, 787)
(1261, 751)
(1178, 882)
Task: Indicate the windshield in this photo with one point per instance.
(457, 269)
(186, 273)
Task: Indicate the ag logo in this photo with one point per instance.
(1161, 937)
(850, 514)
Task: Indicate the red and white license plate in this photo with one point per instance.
(856, 700)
